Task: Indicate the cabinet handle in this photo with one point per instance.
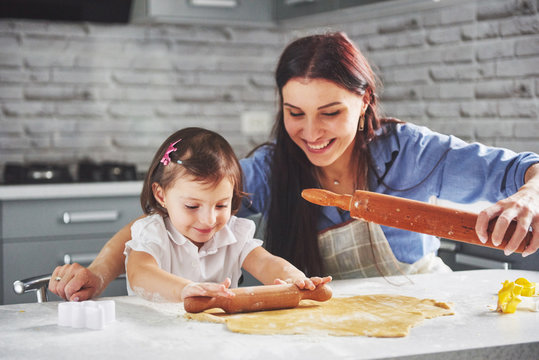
(78, 217)
(83, 259)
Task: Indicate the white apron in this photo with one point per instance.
(358, 249)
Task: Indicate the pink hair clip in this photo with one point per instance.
(166, 158)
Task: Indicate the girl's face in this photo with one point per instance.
(321, 118)
(197, 210)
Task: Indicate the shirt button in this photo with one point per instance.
(194, 264)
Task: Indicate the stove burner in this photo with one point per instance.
(36, 174)
(106, 171)
(86, 171)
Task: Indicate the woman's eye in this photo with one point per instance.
(336, 112)
(222, 206)
(295, 114)
(191, 207)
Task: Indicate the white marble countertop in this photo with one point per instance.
(145, 330)
(70, 190)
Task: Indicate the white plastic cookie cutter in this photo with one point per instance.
(86, 314)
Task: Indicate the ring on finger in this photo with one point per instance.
(58, 278)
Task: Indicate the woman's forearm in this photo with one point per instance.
(532, 174)
(110, 262)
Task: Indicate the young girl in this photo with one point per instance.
(190, 244)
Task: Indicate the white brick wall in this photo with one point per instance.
(114, 92)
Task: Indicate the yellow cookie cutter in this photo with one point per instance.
(528, 287)
(508, 296)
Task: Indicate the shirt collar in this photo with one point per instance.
(382, 148)
(223, 237)
(384, 143)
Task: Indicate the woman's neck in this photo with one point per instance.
(340, 176)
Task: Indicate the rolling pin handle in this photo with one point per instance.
(196, 304)
(321, 293)
(327, 198)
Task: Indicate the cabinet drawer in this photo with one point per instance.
(58, 217)
(25, 259)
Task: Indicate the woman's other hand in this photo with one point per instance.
(74, 282)
(523, 207)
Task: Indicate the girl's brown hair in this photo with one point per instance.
(204, 155)
(292, 230)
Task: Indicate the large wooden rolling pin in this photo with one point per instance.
(257, 298)
(412, 215)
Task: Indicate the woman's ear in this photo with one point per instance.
(366, 101)
(158, 193)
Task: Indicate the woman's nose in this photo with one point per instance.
(311, 130)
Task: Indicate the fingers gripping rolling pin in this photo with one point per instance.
(257, 298)
(412, 215)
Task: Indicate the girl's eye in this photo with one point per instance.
(191, 207)
(336, 112)
(222, 206)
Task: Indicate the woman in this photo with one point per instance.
(328, 134)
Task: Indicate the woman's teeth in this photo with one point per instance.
(319, 146)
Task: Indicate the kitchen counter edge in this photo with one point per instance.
(70, 190)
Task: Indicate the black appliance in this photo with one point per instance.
(84, 171)
(103, 11)
(106, 171)
(36, 173)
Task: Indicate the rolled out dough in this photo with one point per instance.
(367, 315)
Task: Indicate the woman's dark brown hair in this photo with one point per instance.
(292, 230)
(204, 155)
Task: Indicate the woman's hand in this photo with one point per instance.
(522, 206)
(208, 289)
(74, 282)
(305, 283)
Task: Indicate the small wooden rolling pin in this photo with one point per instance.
(412, 215)
(258, 298)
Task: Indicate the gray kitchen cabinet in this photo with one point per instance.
(39, 234)
(174, 11)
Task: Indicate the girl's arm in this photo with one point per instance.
(79, 283)
(522, 206)
(271, 269)
(151, 282)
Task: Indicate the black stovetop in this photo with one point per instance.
(54, 173)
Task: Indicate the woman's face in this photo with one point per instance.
(321, 118)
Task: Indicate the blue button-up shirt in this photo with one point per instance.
(416, 163)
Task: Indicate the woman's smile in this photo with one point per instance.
(320, 146)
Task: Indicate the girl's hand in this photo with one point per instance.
(208, 289)
(523, 206)
(305, 283)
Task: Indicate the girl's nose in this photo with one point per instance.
(208, 217)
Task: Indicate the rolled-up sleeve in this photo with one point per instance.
(474, 172)
(427, 163)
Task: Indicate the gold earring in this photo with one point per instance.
(361, 122)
